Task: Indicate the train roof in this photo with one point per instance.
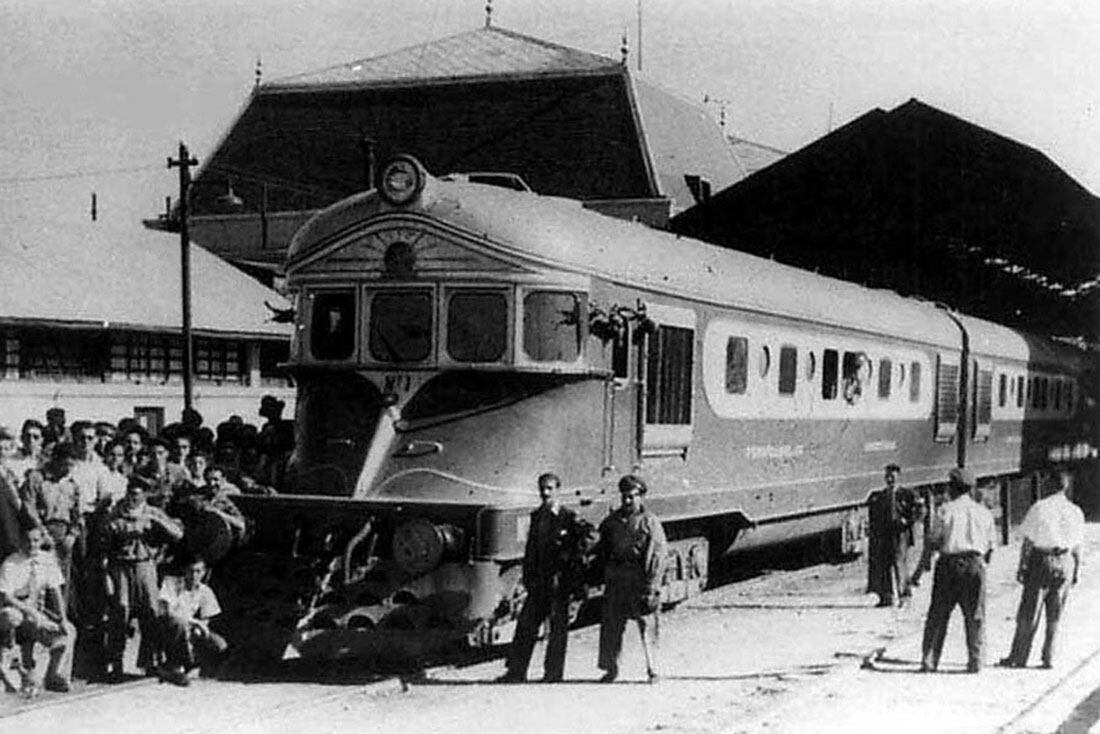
(559, 233)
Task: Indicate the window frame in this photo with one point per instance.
(366, 301)
(448, 291)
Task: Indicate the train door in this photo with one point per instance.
(667, 385)
(621, 404)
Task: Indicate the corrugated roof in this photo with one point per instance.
(124, 275)
(483, 52)
(683, 139)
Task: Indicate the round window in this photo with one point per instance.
(765, 361)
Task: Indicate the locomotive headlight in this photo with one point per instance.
(420, 545)
(401, 180)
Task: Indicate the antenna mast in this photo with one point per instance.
(639, 36)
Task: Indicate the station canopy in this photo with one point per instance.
(928, 204)
(569, 122)
(124, 276)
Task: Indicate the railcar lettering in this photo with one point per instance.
(876, 446)
(775, 452)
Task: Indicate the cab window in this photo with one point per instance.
(332, 324)
(477, 326)
(552, 326)
(401, 326)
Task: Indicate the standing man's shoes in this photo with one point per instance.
(610, 676)
(1009, 663)
(512, 678)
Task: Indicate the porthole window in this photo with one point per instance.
(764, 362)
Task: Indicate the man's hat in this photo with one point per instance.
(965, 477)
(59, 412)
(632, 482)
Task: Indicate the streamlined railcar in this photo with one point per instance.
(455, 340)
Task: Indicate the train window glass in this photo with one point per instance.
(668, 376)
(914, 382)
(1002, 390)
(620, 353)
(788, 369)
(856, 372)
(737, 365)
(1057, 394)
(885, 374)
(1044, 393)
(552, 326)
(477, 326)
(829, 363)
(401, 326)
(947, 400)
(984, 404)
(764, 362)
(1020, 391)
(811, 365)
(1069, 397)
(332, 324)
(901, 374)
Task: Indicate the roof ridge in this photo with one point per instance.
(411, 49)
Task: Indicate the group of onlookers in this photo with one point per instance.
(960, 532)
(104, 529)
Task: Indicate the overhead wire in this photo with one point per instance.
(77, 174)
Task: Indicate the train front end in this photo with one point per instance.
(438, 372)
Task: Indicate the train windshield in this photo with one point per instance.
(401, 325)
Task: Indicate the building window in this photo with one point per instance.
(477, 326)
(45, 354)
(218, 360)
(668, 374)
(788, 369)
(272, 355)
(737, 365)
(552, 326)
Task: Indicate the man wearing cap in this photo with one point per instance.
(963, 535)
(551, 566)
(891, 512)
(632, 547)
(1050, 560)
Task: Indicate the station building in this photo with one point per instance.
(90, 321)
(567, 122)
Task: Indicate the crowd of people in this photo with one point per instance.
(106, 530)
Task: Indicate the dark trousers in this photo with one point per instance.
(185, 647)
(1047, 580)
(133, 595)
(623, 597)
(958, 580)
(543, 602)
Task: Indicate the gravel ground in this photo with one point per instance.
(780, 652)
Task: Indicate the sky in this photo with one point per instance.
(96, 94)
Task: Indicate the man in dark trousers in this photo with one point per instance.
(892, 512)
(551, 565)
(632, 547)
(1050, 560)
(963, 534)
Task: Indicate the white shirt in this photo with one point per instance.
(1054, 523)
(962, 525)
(92, 478)
(27, 577)
(196, 603)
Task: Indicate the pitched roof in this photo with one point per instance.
(124, 276)
(483, 52)
(682, 139)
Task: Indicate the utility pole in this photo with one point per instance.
(184, 163)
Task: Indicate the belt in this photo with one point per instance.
(1051, 551)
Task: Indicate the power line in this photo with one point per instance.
(76, 174)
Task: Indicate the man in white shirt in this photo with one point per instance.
(963, 533)
(186, 607)
(32, 611)
(1050, 560)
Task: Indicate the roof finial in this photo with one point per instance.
(259, 71)
(488, 13)
(624, 48)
